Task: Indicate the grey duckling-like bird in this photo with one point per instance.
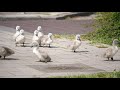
(75, 44)
(40, 34)
(17, 32)
(21, 38)
(5, 51)
(43, 56)
(35, 37)
(111, 51)
(47, 40)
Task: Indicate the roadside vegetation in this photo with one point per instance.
(107, 28)
(64, 36)
(113, 74)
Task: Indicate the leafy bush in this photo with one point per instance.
(107, 28)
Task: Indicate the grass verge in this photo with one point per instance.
(113, 74)
(83, 38)
(64, 36)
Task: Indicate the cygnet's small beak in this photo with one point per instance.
(79, 39)
(31, 46)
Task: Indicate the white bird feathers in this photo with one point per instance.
(17, 32)
(76, 43)
(43, 56)
(40, 39)
(40, 34)
(35, 37)
(21, 38)
(111, 51)
(47, 40)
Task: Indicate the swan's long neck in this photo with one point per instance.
(39, 30)
(17, 31)
(78, 39)
(21, 33)
(35, 34)
(35, 49)
(50, 37)
(113, 44)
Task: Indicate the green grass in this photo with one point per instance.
(97, 38)
(72, 37)
(65, 36)
(98, 42)
(97, 75)
(106, 28)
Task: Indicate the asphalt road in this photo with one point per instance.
(24, 64)
(54, 26)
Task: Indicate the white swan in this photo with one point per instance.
(21, 38)
(17, 32)
(35, 37)
(43, 56)
(5, 51)
(40, 34)
(75, 44)
(47, 40)
(111, 51)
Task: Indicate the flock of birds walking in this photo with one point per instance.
(39, 40)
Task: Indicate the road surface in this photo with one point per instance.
(53, 26)
(23, 64)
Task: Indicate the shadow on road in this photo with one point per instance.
(112, 60)
(44, 61)
(49, 47)
(9, 59)
(81, 51)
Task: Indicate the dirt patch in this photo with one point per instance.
(65, 68)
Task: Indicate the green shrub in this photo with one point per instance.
(107, 28)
